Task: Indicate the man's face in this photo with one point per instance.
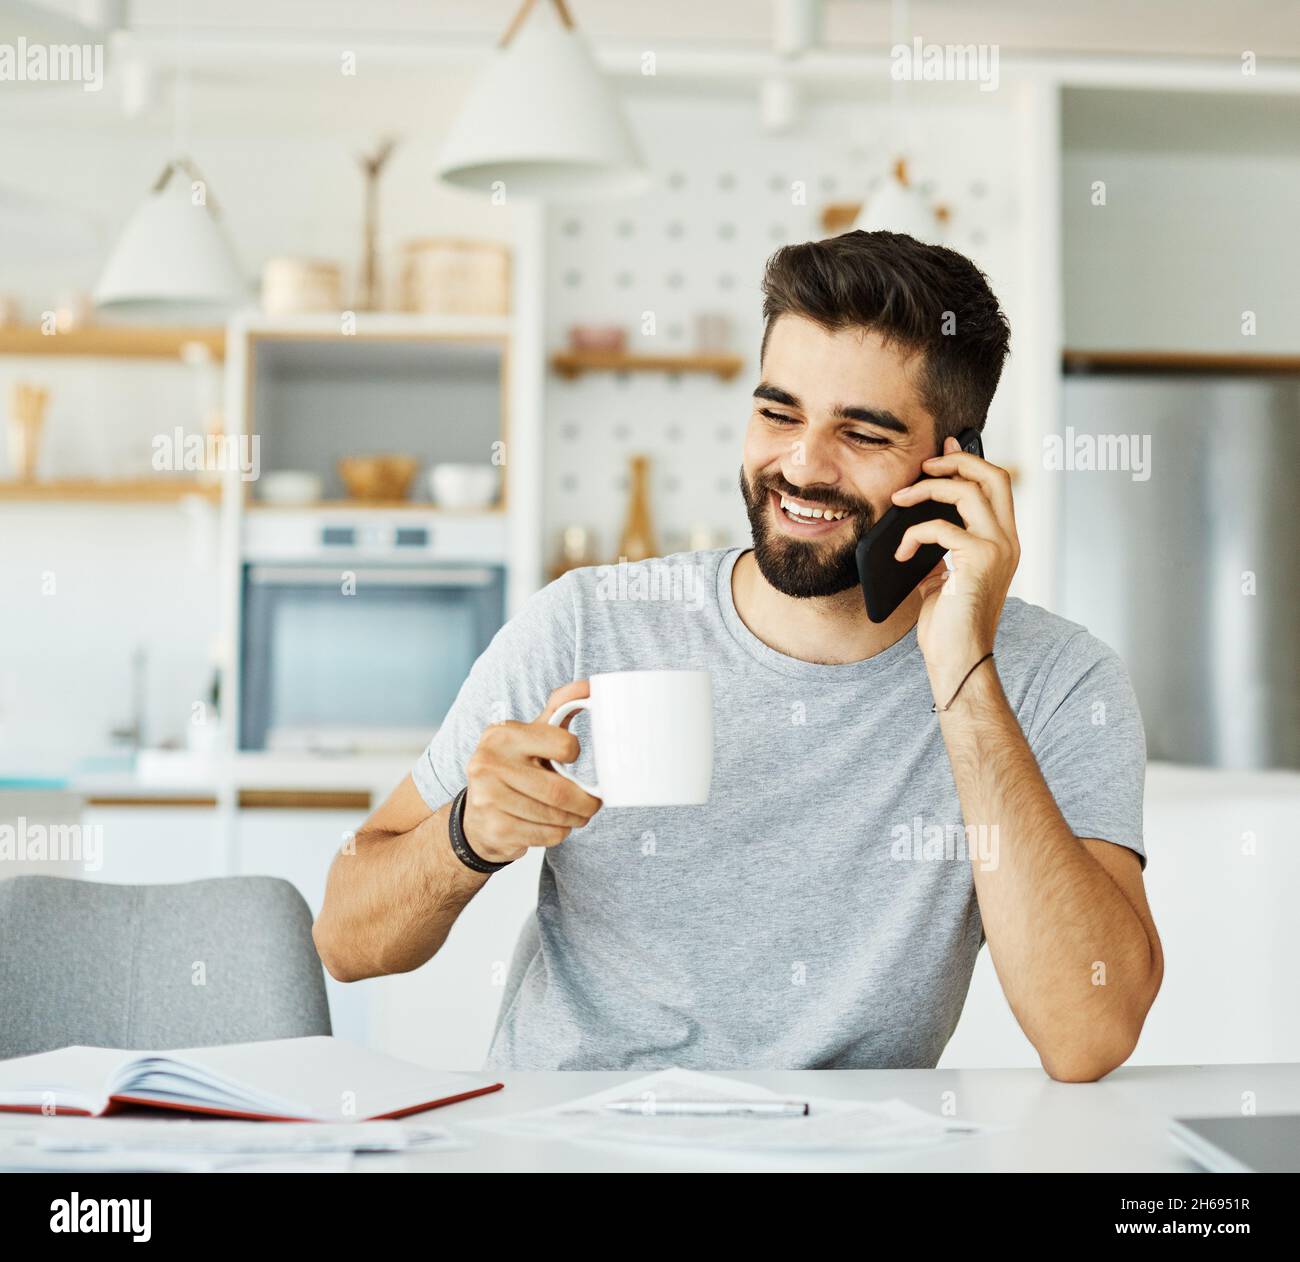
(837, 424)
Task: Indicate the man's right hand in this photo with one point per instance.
(515, 802)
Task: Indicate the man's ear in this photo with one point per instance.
(937, 435)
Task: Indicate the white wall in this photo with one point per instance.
(1198, 224)
(84, 587)
(1182, 248)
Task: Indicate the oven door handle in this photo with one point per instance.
(391, 576)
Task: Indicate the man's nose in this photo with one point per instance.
(811, 463)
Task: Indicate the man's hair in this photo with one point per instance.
(920, 297)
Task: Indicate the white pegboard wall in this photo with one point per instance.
(724, 195)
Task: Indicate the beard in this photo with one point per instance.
(804, 568)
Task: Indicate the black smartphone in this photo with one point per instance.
(886, 583)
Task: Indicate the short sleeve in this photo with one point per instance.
(1088, 738)
(531, 656)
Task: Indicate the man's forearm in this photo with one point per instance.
(1075, 960)
(391, 901)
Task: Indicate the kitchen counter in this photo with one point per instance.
(166, 775)
(180, 774)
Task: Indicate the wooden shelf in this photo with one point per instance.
(572, 364)
(116, 490)
(1189, 362)
(305, 799)
(423, 506)
(113, 341)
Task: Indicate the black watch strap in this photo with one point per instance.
(456, 830)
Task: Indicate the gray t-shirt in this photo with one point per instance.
(819, 911)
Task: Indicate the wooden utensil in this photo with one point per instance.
(26, 420)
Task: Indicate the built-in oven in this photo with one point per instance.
(356, 634)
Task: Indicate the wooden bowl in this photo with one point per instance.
(378, 477)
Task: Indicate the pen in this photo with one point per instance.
(710, 1108)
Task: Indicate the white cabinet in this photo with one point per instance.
(297, 845)
(149, 845)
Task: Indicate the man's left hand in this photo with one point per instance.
(961, 607)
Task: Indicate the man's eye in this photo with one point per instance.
(858, 439)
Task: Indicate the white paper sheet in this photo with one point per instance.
(29, 1160)
(64, 1143)
(832, 1126)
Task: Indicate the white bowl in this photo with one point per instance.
(464, 486)
(290, 486)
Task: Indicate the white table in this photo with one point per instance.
(1116, 1125)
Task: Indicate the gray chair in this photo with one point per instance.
(228, 960)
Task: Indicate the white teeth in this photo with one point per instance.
(798, 510)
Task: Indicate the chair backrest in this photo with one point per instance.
(227, 960)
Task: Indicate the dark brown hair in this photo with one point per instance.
(921, 297)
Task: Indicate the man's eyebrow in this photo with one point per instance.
(872, 416)
(774, 394)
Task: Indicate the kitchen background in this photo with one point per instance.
(1130, 189)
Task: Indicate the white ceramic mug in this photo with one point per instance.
(652, 737)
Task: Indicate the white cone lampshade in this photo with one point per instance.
(172, 252)
(543, 121)
(898, 207)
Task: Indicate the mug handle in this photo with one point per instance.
(562, 712)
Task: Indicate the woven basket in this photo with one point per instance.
(450, 276)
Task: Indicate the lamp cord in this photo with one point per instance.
(524, 9)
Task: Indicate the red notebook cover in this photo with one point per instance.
(121, 1103)
(281, 1080)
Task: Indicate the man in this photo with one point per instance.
(816, 913)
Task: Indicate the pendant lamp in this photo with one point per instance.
(173, 250)
(542, 120)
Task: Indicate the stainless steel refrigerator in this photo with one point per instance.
(1189, 567)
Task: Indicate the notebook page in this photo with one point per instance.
(318, 1077)
(69, 1078)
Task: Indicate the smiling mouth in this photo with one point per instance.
(803, 517)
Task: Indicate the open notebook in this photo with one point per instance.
(316, 1079)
